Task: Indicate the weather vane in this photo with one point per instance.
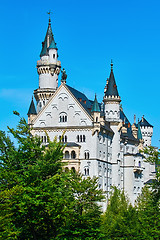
(49, 13)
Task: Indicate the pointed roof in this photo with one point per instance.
(95, 107)
(32, 109)
(53, 45)
(139, 133)
(49, 39)
(111, 85)
(145, 123)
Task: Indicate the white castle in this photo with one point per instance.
(100, 141)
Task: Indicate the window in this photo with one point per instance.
(73, 154)
(63, 138)
(96, 119)
(139, 164)
(86, 155)
(66, 155)
(44, 139)
(86, 171)
(66, 169)
(81, 138)
(63, 117)
(73, 169)
(54, 55)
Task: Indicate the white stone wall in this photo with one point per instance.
(147, 133)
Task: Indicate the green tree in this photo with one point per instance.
(38, 200)
(148, 203)
(120, 218)
(153, 156)
(85, 214)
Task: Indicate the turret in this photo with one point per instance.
(31, 112)
(140, 138)
(48, 68)
(111, 99)
(95, 111)
(134, 128)
(147, 131)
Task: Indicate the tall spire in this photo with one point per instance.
(111, 86)
(48, 41)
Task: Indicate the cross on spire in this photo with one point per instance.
(49, 13)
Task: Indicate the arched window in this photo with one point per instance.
(86, 171)
(66, 169)
(66, 155)
(77, 138)
(80, 138)
(84, 138)
(96, 119)
(73, 154)
(139, 164)
(63, 117)
(73, 169)
(86, 155)
(65, 138)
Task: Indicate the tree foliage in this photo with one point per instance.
(38, 199)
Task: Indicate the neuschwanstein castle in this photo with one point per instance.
(100, 140)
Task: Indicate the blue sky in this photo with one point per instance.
(88, 34)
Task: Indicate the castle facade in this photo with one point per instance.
(100, 140)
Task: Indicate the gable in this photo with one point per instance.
(63, 110)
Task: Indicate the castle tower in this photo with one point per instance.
(147, 131)
(48, 68)
(112, 115)
(111, 99)
(31, 112)
(96, 115)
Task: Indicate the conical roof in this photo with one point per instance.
(111, 85)
(52, 45)
(139, 133)
(144, 123)
(32, 109)
(49, 39)
(95, 107)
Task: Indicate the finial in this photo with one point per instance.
(64, 76)
(111, 65)
(49, 13)
(142, 118)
